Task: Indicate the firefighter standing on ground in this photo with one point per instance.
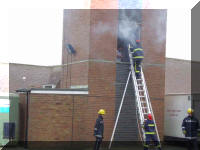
(138, 56)
(190, 127)
(150, 133)
(99, 129)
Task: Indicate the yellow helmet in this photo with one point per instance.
(102, 112)
(190, 111)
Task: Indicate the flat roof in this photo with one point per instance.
(82, 91)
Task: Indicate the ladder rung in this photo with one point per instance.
(138, 79)
(144, 107)
(141, 90)
(140, 84)
(141, 96)
(143, 102)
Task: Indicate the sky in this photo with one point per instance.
(31, 31)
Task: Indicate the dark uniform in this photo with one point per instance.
(190, 127)
(98, 132)
(150, 134)
(138, 56)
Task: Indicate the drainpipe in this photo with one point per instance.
(27, 114)
(27, 118)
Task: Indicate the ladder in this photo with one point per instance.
(143, 104)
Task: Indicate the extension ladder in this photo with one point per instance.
(143, 104)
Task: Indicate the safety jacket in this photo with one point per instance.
(190, 126)
(149, 127)
(99, 127)
(138, 51)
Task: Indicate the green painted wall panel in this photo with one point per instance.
(4, 117)
(11, 116)
(14, 114)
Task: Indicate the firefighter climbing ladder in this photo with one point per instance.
(143, 104)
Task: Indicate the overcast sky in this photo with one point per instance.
(31, 32)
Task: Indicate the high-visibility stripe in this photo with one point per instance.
(136, 69)
(151, 125)
(138, 57)
(137, 49)
(150, 133)
(158, 146)
(99, 136)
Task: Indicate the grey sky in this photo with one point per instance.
(34, 35)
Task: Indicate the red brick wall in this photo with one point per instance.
(96, 103)
(57, 118)
(93, 34)
(178, 76)
(64, 117)
(76, 31)
(80, 119)
(50, 118)
(102, 71)
(104, 27)
(102, 44)
(75, 74)
(101, 75)
(36, 76)
(102, 79)
(153, 36)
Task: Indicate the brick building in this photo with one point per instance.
(32, 76)
(94, 35)
(181, 92)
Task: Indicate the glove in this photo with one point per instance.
(184, 132)
(98, 136)
(198, 133)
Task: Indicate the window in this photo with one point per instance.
(9, 130)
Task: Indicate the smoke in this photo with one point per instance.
(130, 28)
(129, 25)
(102, 28)
(161, 27)
(156, 32)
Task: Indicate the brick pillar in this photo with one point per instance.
(102, 68)
(153, 38)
